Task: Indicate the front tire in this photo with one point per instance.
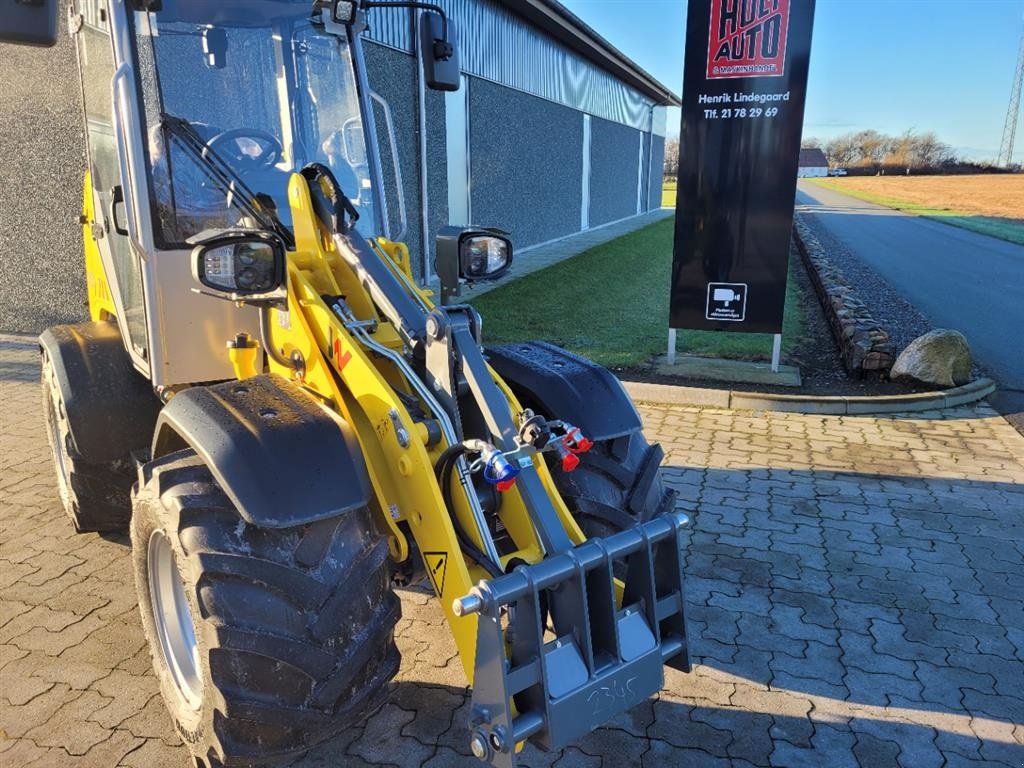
(265, 641)
(95, 496)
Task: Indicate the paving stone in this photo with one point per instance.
(859, 653)
(20, 752)
(662, 754)
(853, 587)
(20, 691)
(765, 634)
(878, 753)
(16, 721)
(378, 744)
(127, 696)
(1002, 707)
(448, 758)
(152, 722)
(673, 724)
(69, 727)
(878, 689)
(151, 754)
(945, 684)
(751, 740)
(434, 708)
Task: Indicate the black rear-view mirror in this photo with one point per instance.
(439, 52)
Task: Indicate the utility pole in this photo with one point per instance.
(1005, 158)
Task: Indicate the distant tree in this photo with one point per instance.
(927, 151)
(841, 151)
(873, 150)
(811, 142)
(872, 147)
(901, 150)
(672, 157)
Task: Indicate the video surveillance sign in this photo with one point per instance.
(744, 88)
(727, 301)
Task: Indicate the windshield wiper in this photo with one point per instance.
(225, 177)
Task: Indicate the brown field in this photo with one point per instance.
(999, 196)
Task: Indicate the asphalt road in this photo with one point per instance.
(958, 279)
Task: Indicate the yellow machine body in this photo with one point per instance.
(101, 300)
(360, 387)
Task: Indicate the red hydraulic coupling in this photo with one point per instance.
(576, 442)
(568, 458)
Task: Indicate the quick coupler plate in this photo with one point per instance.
(558, 653)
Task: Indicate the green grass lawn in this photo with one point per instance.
(611, 304)
(668, 194)
(1004, 229)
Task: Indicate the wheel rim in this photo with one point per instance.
(173, 620)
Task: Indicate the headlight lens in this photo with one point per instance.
(484, 256)
(248, 266)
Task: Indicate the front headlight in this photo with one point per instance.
(485, 256)
(470, 254)
(241, 263)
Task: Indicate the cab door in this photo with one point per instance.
(90, 20)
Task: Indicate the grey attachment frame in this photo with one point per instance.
(602, 659)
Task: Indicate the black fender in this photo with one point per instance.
(111, 407)
(561, 385)
(281, 457)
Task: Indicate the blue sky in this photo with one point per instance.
(932, 65)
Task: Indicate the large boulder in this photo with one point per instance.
(940, 358)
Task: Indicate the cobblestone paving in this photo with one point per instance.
(854, 589)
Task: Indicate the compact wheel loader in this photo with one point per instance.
(290, 427)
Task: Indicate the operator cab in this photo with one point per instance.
(237, 100)
(197, 115)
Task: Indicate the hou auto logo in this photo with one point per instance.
(748, 38)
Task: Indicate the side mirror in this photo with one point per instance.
(470, 255)
(240, 265)
(28, 22)
(439, 52)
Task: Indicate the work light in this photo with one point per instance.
(484, 256)
(240, 263)
(344, 11)
(470, 254)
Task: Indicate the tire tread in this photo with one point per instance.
(343, 651)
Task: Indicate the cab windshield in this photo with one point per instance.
(238, 95)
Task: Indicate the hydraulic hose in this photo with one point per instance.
(443, 468)
(266, 341)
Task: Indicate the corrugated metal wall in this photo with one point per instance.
(497, 45)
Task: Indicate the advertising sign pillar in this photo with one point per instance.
(744, 89)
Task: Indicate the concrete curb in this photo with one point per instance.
(666, 394)
(840, 405)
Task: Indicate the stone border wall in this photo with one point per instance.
(865, 346)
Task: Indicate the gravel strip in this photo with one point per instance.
(903, 321)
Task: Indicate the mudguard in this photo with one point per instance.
(283, 459)
(565, 386)
(111, 408)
